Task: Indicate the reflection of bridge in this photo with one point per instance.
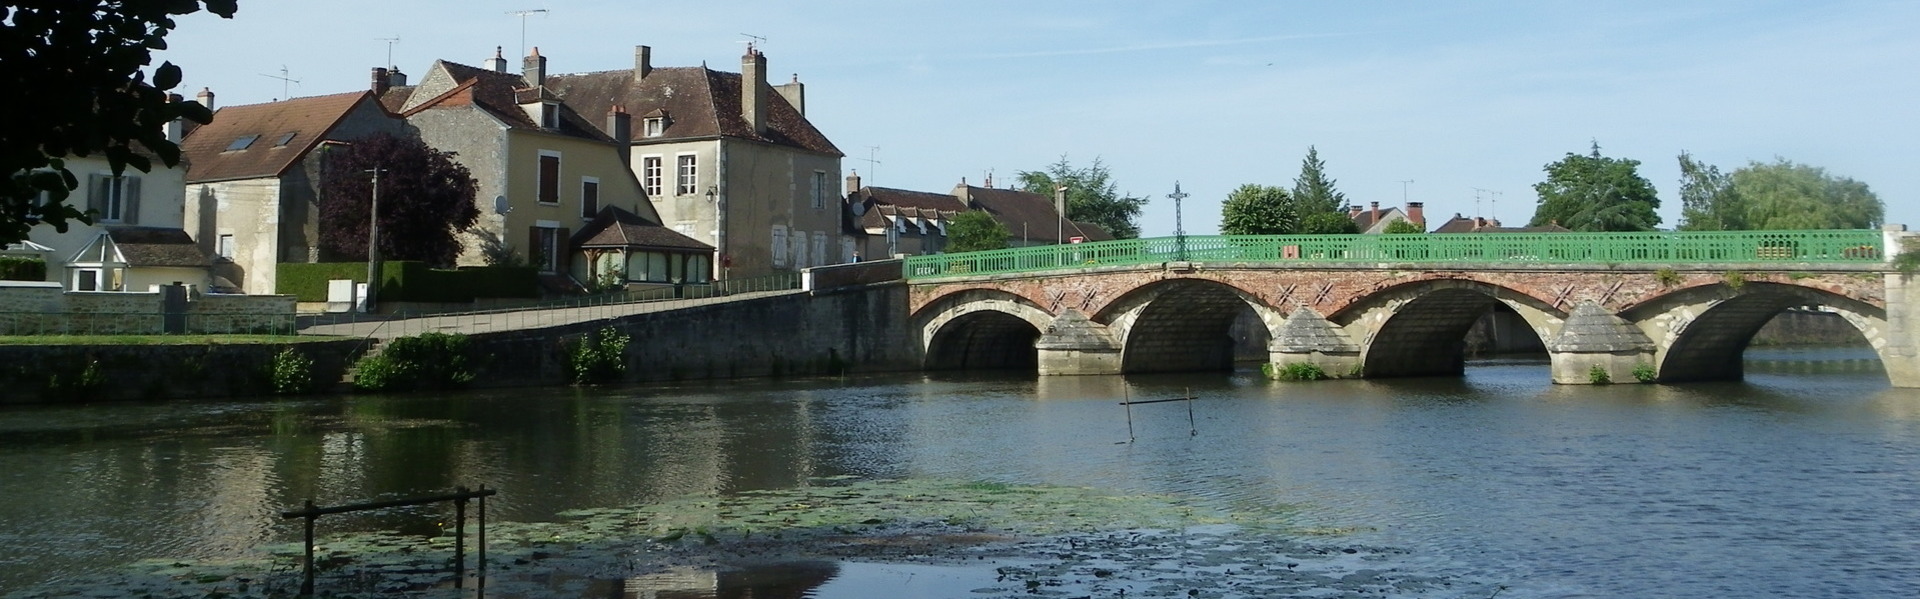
(1677, 306)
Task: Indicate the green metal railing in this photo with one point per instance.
(1654, 247)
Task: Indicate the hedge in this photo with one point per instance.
(14, 268)
(410, 281)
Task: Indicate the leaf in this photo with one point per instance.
(167, 76)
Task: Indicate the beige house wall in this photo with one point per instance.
(249, 210)
(162, 193)
(769, 189)
(695, 214)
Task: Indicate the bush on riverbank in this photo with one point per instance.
(1297, 371)
(599, 357)
(427, 362)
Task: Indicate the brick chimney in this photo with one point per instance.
(1416, 212)
(205, 97)
(174, 128)
(753, 89)
(498, 63)
(534, 68)
(853, 182)
(642, 62)
(796, 94)
(1479, 223)
(1376, 213)
(620, 127)
(380, 81)
(1353, 211)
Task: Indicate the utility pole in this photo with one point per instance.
(373, 240)
(1060, 213)
(1179, 229)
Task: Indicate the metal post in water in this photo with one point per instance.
(480, 586)
(460, 538)
(306, 581)
(1191, 430)
(1126, 399)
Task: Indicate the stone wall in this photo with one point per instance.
(83, 373)
(241, 314)
(1808, 327)
(824, 333)
(44, 309)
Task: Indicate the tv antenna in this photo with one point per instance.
(754, 41)
(523, 14)
(285, 81)
(871, 160)
(1478, 194)
(1403, 190)
(390, 42)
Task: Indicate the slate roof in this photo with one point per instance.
(1093, 232)
(1365, 219)
(698, 102)
(1014, 208)
(615, 227)
(500, 94)
(157, 246)
(308, 119)
(1459, 224)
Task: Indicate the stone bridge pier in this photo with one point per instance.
(1598, 323)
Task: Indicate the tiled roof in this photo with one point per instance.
(308, 119)
(1365, 218)
(1093, 232)
(500, 94)
(1459, 224)
(157, 246)
(697, 101)
(395, 99)
(1030, 215)
(912, 199)
(615, 227)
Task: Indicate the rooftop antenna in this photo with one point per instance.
(754, 41)
(872, 152)
(1493, 204)
(523, 14)
(1403, 190)
(1477, 193)
(285, 81)
(390, 42)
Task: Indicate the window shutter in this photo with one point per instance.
(563, 250)
(130, 200)
(533, 249)
(97, 194)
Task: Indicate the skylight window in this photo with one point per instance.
(285, 139)
(241, 143)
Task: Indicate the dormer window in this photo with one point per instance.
(654, 127)
(549, 115)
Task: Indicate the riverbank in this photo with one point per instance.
(970, 539)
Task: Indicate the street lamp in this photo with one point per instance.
(1179, 229)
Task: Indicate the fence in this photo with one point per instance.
(1657, 247)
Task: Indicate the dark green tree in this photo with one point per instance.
(426, 200)
(1708, 201)
(1596, 193)
(975, 230)
(1091, 195)
(1259, 210)
(1789, 195)
(1312, 190)
(77, 70)
(1328, 223)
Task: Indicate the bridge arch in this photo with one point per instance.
(1703, 331)
(1182, 325)
(1419, 328)
(980, 329)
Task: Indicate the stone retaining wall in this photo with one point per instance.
(82, 373)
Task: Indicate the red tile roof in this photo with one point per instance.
(1026, 214)
(697, 101)
(309, 120)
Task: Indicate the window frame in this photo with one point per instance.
(819, 189)
(589, 202)
(652, 167)
(686, 173)
(547, 187)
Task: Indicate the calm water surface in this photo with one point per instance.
(1803, 481)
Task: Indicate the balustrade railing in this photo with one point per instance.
(1653, 247)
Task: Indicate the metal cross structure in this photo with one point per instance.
(1179, 229)
(523, 14)
(285, 81)
(390, 42)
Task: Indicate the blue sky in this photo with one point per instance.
(1451, 96)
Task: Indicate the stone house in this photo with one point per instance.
(136, 240)
(1461, 224)
(544, 171)
(725, 158)
(882, 222)
(1374, 221)
(1030, 218)
(252, 184)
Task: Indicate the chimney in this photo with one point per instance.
(498, 63)
(642, 62)
(205, 97)
(1376, 212)
(534, 69)
(620, 126)
(1416, 212)
(796, 94)
(1353, 211)
(1479, 223)
(174, 127)
(396, 78)
(380, 81)
(853, 182)
(753, 89)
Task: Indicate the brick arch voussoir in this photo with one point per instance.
(940, 311)
(1413, 287)
(1142, 295)
(1814, 292)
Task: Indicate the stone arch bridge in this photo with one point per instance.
(1662, 312)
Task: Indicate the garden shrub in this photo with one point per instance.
(427, 362)
(600, 357)
(292, 372)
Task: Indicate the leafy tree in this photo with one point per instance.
(1402, 227)
(1596, 193)
(975, 230)
(1789, 195)
(1313, 190)
(426, 200)
(1708, 201)
(1091, 195)
(1259, 210)
(75, 69)
(1328, 223)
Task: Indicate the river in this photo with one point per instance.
(1802, 481)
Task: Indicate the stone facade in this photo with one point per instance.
(45, 309)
